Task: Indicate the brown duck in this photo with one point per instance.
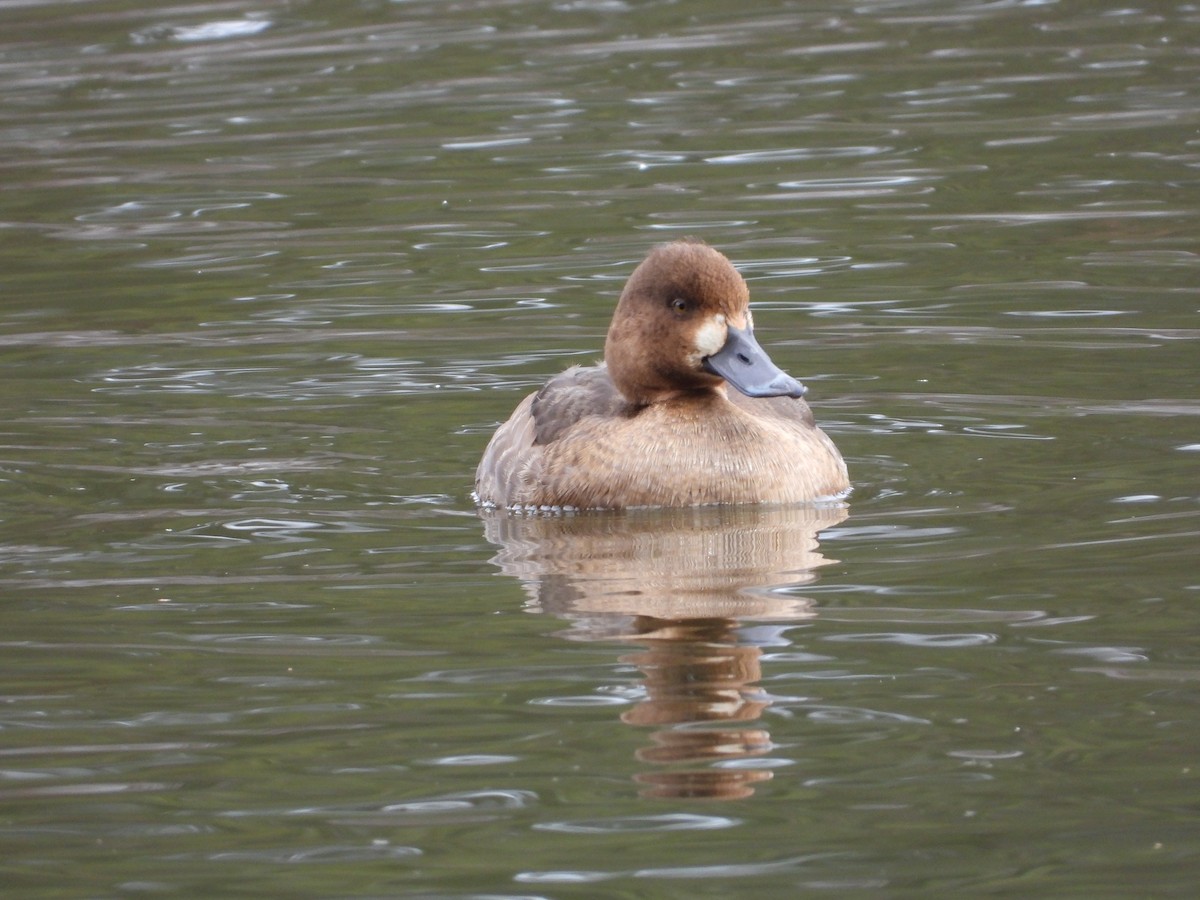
(656, 424)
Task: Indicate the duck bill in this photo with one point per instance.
(745, 365)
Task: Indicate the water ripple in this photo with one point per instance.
(910, 639)
(377, 849)
(650, 824)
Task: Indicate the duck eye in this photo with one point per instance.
(679, 305)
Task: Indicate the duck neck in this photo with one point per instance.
(642, 383)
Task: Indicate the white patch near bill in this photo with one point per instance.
(710, 337)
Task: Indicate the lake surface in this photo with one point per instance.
(271, 273)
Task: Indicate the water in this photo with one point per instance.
(271, 273)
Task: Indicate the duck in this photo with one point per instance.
(686, 408)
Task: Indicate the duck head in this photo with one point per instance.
(683, 325)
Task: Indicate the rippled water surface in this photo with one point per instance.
(270, 274)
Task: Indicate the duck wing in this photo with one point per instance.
(511, 470)
(575, 394)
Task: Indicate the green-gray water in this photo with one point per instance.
(271, 273)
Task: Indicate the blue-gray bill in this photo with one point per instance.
(745, 364)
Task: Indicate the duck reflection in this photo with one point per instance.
(679, 584)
